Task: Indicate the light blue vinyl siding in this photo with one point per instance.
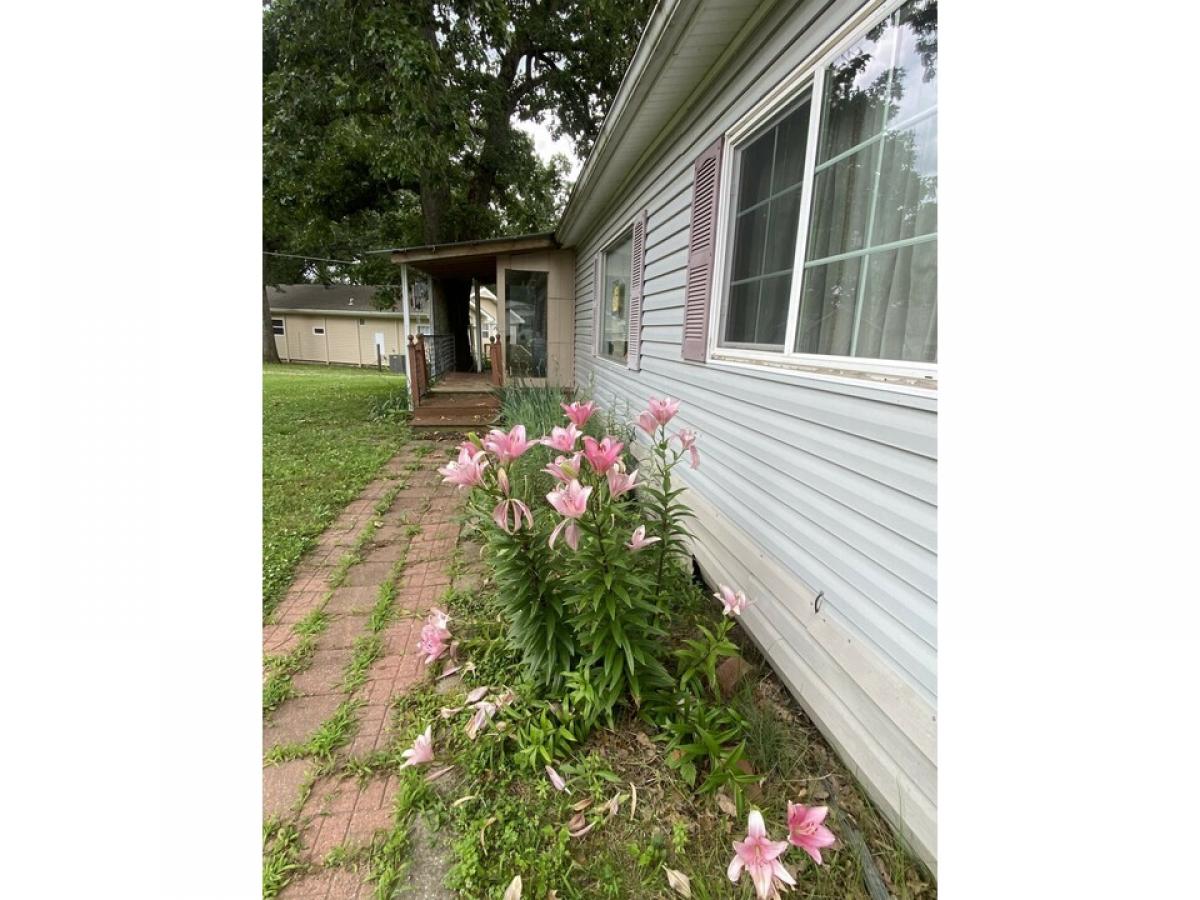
(837, 483)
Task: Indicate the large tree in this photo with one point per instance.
(393, 123)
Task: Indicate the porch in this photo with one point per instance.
(500, 309)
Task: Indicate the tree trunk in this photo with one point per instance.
(270, 351)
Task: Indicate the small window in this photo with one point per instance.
(277, 326)
(318, 330)
(362, 321)
(614, 297)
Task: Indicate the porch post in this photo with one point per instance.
(408, 356)
(478, 331)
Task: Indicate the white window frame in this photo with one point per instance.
(802, 78)
(605, 249)
(282, 326)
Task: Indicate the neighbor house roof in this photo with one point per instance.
(681, 51)
(348, 299)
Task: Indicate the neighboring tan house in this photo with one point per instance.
(338, 324)
(755, 233)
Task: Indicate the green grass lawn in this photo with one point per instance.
(324, 437)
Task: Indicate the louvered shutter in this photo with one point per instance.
(706, 183)
(596, 336)
(635, 292)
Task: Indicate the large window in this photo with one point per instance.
(525, 312)
(836, 256)
(614, 300)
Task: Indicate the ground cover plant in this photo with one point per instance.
(326, 432)
(589, 743)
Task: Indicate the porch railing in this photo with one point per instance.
(430, 356)
(439, 350)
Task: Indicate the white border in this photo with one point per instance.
(900, 375)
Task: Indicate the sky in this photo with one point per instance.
(546, 146)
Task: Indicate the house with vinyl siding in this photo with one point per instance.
(755, 234)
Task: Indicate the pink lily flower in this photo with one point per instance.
(562, 438)
(556, 780)
(421, 751)
(434, 642)
(639, 539)
(601, 455)
(470, 448)
(759, 855)
(687, 441)
(514, 509)
(735, 602)
(507, 447)
(439, 619)
(619, 483)
(647, 422)
(467, 471)
(579, 413)
(663, 410)
(806, 831)
(570, 501)
(483, 713)
(564, 468)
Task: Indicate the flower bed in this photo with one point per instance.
(595, 748)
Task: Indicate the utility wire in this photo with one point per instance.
(344, 262)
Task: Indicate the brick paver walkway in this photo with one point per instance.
(419, 530)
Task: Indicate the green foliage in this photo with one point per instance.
(703, 737)
(391, 407)
(614, 609)
(698, 659)
(281, 855)
(320, 449)
(387, 124)
(531, 595)
(538, 408)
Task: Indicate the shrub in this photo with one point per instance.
(572, 531)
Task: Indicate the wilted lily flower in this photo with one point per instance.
(618, 482)
(647, 422)
(601, 455)
(562, 438)
(687, 440)
(806, 831)
(434, 642)
(513, 509)
(759, 855)
(556, 780)
(467, 471)
(421, 751)
(483, 713)
(663, 410)
(507, 447)
(639, 539)
(735, 602)
(579, 413)
(564, 468)
(439, 618)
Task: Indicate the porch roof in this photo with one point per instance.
(470, 259)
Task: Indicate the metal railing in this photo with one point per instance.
(439, 353)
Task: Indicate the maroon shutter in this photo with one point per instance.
(596, 321)
(706, 184)
(635, 292)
